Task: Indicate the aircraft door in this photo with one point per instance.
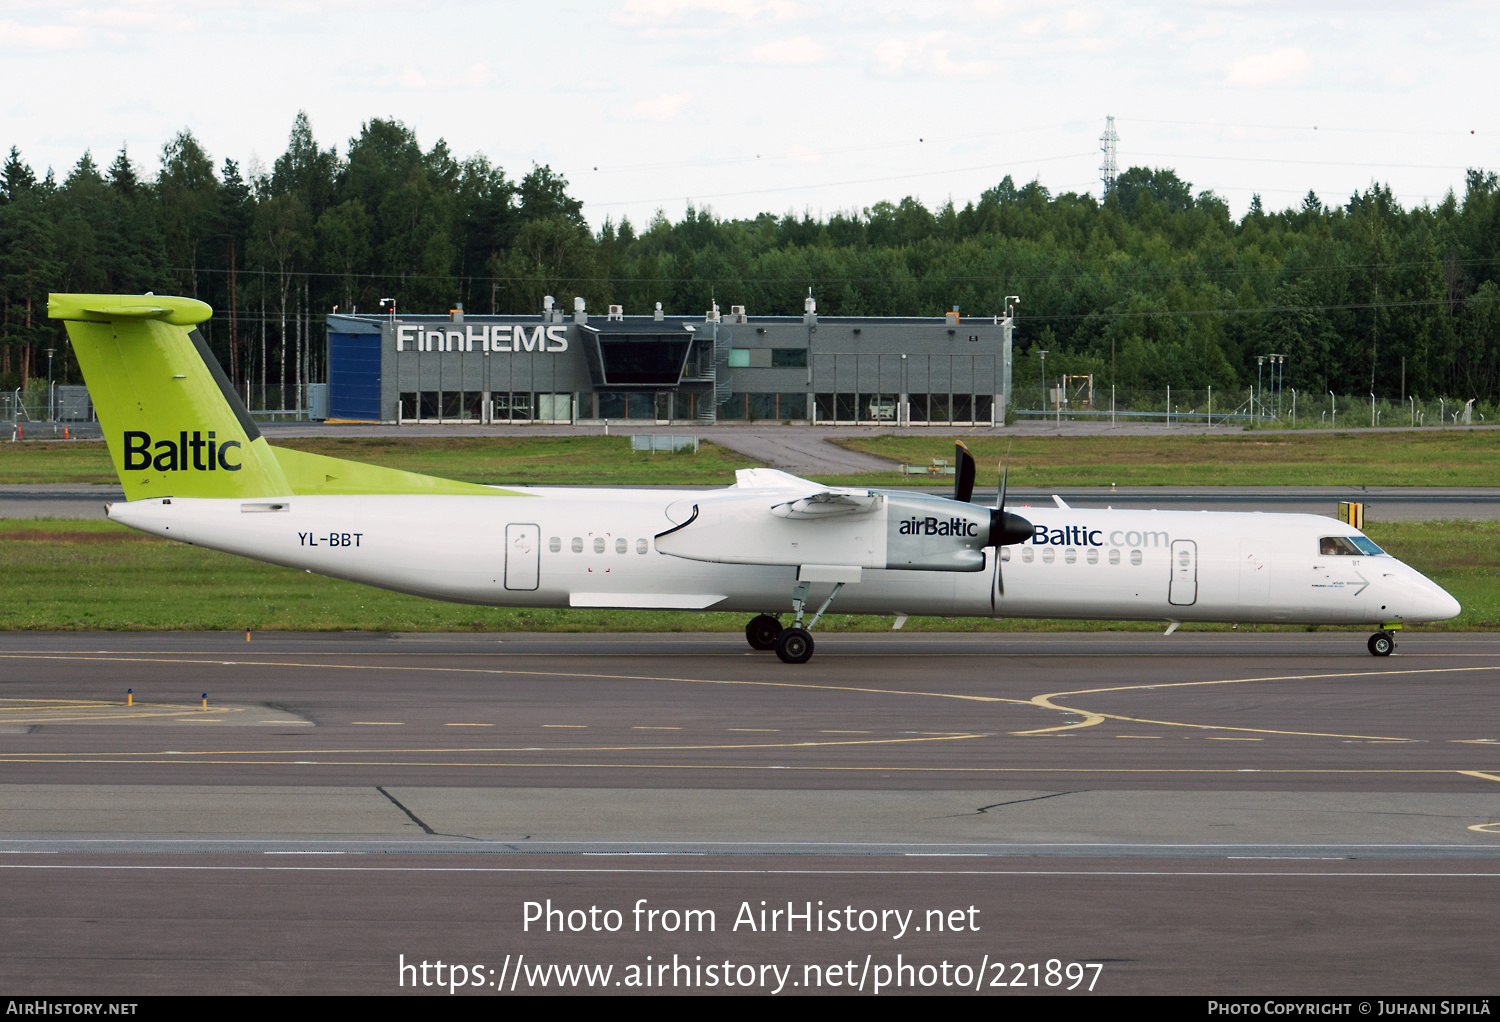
(1183, 592)
(523, 556)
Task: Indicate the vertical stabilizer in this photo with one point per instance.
(174, 426)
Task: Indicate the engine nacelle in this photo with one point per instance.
(871, 529)
(927, 533)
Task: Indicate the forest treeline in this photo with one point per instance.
(1155, 286)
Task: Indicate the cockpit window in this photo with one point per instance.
(1337, 546)
(1348, 546)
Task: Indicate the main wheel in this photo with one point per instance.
(794, 646)
(761, 632)
(1381, 644)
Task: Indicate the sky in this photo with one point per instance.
(748, 106)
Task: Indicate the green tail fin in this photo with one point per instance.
(173, 423)
(174, 426)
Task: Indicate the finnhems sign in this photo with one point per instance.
(481, 338)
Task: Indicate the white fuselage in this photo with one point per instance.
(596, 548)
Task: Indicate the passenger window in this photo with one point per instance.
(554, 544)
(1048, 555)
(598, 544)
(1005, 554)
(578, 544)
(1135, 557)
(622, 545)
(1114, 556)
(641, 546)
(1027, 554)
(1338, 546)
(1070, 555)
(1093, 556)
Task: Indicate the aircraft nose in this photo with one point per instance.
(1444, 606)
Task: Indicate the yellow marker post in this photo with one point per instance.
(130, 697)
(247, 635)
(205, 700)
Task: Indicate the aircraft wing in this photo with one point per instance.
(773, 479)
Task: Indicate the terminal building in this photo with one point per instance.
(733, 367)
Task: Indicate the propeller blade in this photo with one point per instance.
(963, 472)
(999, 585)
(1004, 478)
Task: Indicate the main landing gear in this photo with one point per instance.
(793, 645)
(762, 631)
(1381, 644)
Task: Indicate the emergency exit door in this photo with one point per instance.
(523, 556)
(1183, 592)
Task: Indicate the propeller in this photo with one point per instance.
(1005, 528)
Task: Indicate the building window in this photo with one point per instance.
(788, 358)
(512, 406)
(739, 358)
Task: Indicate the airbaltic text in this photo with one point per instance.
(174, 456)
(1082, 535)
(934, 527)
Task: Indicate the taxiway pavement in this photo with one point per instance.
(1215, 813)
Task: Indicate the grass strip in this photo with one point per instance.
(559, 461)
(1420, 458)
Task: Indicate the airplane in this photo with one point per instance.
(195, 468)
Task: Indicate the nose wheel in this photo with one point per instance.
(1381, 644)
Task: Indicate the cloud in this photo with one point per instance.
(1284, 65)
(797, 50)
(664, 108)
(660, 10)
(929, 55)
(39, 37)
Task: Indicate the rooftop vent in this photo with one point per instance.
(658, 315)
(617, 312)
(737, 314)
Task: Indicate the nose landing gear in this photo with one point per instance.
(1381, 644)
